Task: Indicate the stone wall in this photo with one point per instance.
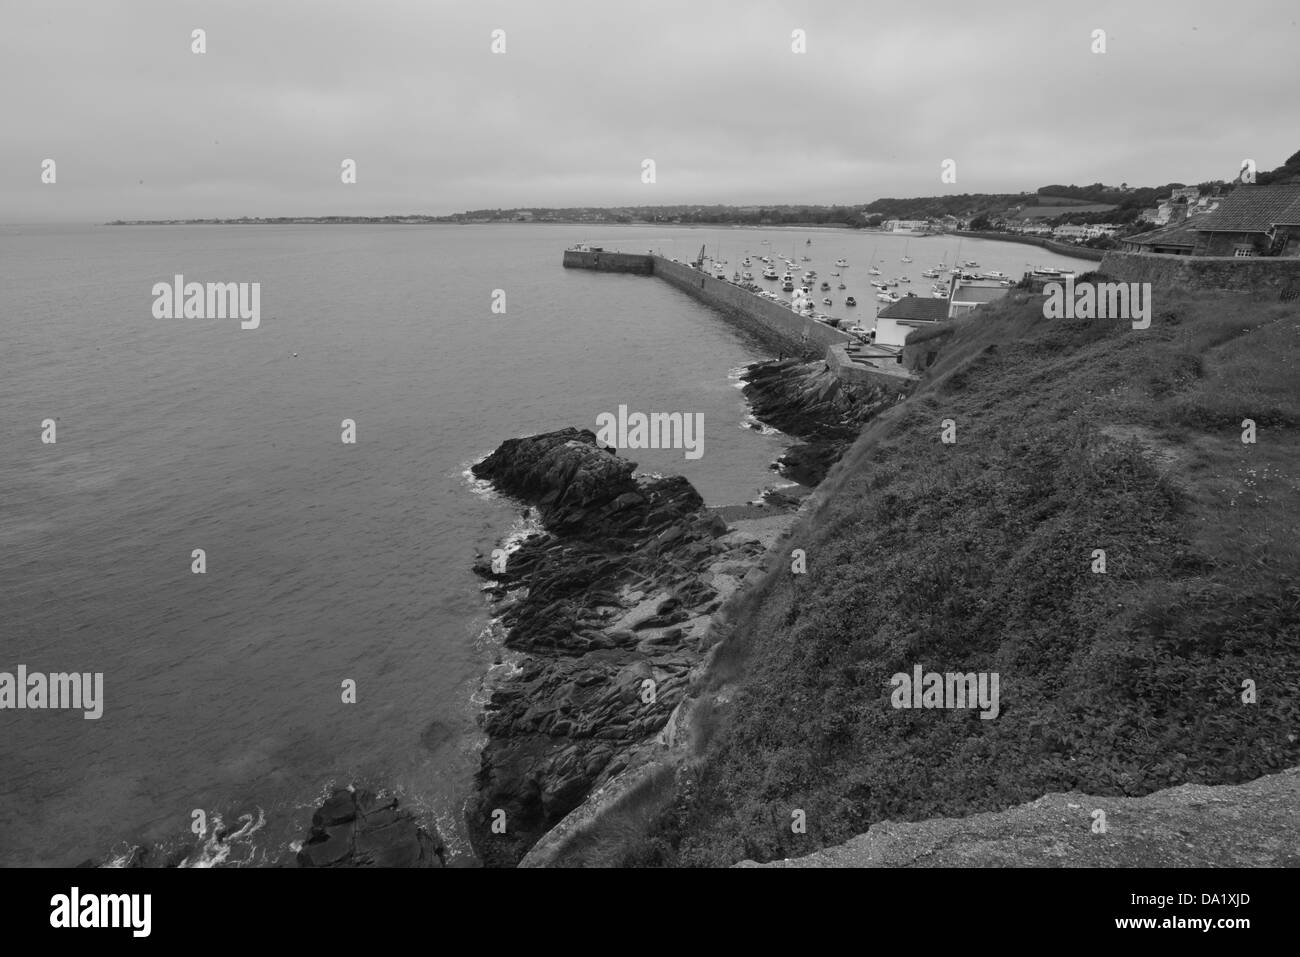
(771, 322)
(891, 376)
(1065, 249)
(606, 261)
(1219, 272)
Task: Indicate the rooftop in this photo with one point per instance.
(1253, 209)
(916, 307)
(1179, 235)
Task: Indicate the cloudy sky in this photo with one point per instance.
(141, 127)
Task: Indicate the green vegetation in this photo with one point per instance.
(976, 556)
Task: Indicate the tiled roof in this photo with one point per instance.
(1290, 216)
(916, 307)
(979, 293)
(1180, 235)
(1252, 209)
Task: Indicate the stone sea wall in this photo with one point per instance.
(1215, 272)
(605, 261)
(1065, 249)
(769, 321)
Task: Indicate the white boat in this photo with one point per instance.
(879, 285)
(886, 297)
(842, 286)
(827, 301)
(904, 279)
(931, 274)
(841, 262)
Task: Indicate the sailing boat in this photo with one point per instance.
(906, 258)
(873, 270)
(956, 263)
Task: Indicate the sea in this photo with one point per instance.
(336, 634)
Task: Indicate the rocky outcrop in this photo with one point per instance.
(1195, 825)
(605, 612)
(808, 401)
(355, 828)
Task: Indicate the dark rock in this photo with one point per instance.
(368, 831)
(339, 808)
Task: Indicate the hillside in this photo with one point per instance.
(978, 556)
(1242, 825)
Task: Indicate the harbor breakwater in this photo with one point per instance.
(772, 323)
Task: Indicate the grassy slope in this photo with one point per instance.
(1071, 435)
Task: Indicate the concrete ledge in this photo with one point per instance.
(881, 370)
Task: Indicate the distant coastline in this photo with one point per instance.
(455, 221)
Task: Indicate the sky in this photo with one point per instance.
(142, 127)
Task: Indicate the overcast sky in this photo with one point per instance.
(141, 127)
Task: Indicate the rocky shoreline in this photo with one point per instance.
(354, 827)
(808, 401)
(608, 614)
(609, 609)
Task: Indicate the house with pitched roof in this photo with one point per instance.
(1251, 221)
(896, 321)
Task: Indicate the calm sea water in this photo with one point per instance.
(325, 561)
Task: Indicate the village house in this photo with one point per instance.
(897, 320)
(905, 225)
(1070, 233)
(1251, 221)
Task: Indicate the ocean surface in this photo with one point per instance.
(325, 561)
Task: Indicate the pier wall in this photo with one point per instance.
(605, 261)
(1262, 273)
(1065, 249)
(771, 322)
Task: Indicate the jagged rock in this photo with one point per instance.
(808, 401)
(359, 829)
